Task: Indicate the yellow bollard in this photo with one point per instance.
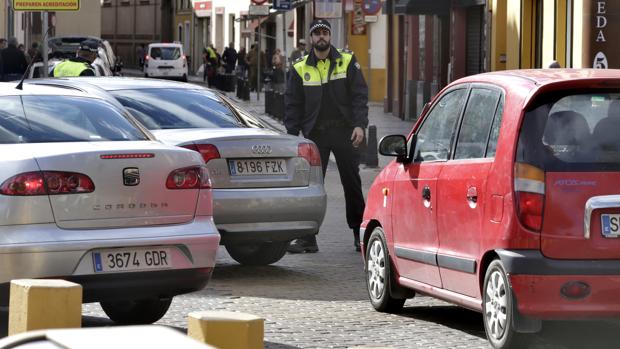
(41, 304)
(226, 330)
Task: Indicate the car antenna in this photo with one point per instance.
(20, 86)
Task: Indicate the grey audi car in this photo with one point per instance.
(267, 186)
(88, 195)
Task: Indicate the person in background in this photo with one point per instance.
(299, 52)
(230, 58)
(2, 43)
(34, 53)
(277, 61)
(140, 55)
(211, 64)
(14, 61)
(80, 65)
(327, 101)
(241, 60)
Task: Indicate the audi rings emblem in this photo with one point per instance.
(261, 149)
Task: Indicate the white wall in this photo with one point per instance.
(378, 32)
(231, 7)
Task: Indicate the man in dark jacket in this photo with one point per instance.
(14, 61)
(230, 58)
(326, 100)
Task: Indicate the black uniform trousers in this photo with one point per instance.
(338, 141)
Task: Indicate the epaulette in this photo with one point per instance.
(299, 60)
(346, 50)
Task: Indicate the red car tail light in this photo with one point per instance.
(530, 195)
(47, 183)
(310, 152)
(189, 178)
(208, 151)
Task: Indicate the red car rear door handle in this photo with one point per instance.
(472, 194)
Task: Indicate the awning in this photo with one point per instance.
(422, 7)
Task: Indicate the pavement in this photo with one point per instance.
(320, 300)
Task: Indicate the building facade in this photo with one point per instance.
(127, 24)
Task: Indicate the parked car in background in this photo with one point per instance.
(89, 196)
(166, 61)
(66, 47)
(267, 186)
(504, 200)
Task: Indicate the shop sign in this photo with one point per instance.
(46, 5)
(601, 24)
(203, 8)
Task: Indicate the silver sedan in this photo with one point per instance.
(267, 186)
(89, 196)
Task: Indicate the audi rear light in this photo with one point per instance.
(47, 183)
(530, 195)
(196, 177)
(208, 151)
(310, 152)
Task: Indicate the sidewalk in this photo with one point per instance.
(386, 124)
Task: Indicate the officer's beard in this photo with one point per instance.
(322, 46)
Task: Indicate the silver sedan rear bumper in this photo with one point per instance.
(46, 251)
(268, 214)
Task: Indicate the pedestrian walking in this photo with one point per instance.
(34, 53)
(241, 61)
(13, 60)
(230, 58)
(140, 55)
(80, 65)
(327, 101)
(2, 43)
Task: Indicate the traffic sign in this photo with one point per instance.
(46, 5)
(282, 4)
(372, 7)
(258, 10)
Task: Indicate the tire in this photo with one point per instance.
(264, 253)
(497, 310)
(136, 312)
(379, 277)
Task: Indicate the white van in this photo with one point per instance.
(166, 61)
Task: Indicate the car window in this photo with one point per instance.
(62, 119)
(476, 124)
(572, 132)
(165, 53)
(497, 122)
(435, 135)
(168, 108)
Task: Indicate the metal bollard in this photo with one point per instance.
(372, 157)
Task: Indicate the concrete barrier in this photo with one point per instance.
(43, 304)
(226, 330)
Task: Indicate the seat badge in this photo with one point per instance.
(307, 77)
(131, 176)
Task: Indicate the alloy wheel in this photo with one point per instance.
(496, 303)
(376, 270)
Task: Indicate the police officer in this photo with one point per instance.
(326, 100)
(80, 65)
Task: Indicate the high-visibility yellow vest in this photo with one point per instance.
(317, 76)
(69, 68)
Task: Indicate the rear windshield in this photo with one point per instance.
(62, 119)
(165, 53)
(573, 132)
(163, 108)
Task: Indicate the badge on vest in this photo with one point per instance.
(307, 77)
(357, 65)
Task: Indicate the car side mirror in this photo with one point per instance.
(394, 145)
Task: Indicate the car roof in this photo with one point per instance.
(8, 89)
(113, 83)
(541, 77)
(165, 44)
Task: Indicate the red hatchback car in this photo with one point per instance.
(504, 199)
